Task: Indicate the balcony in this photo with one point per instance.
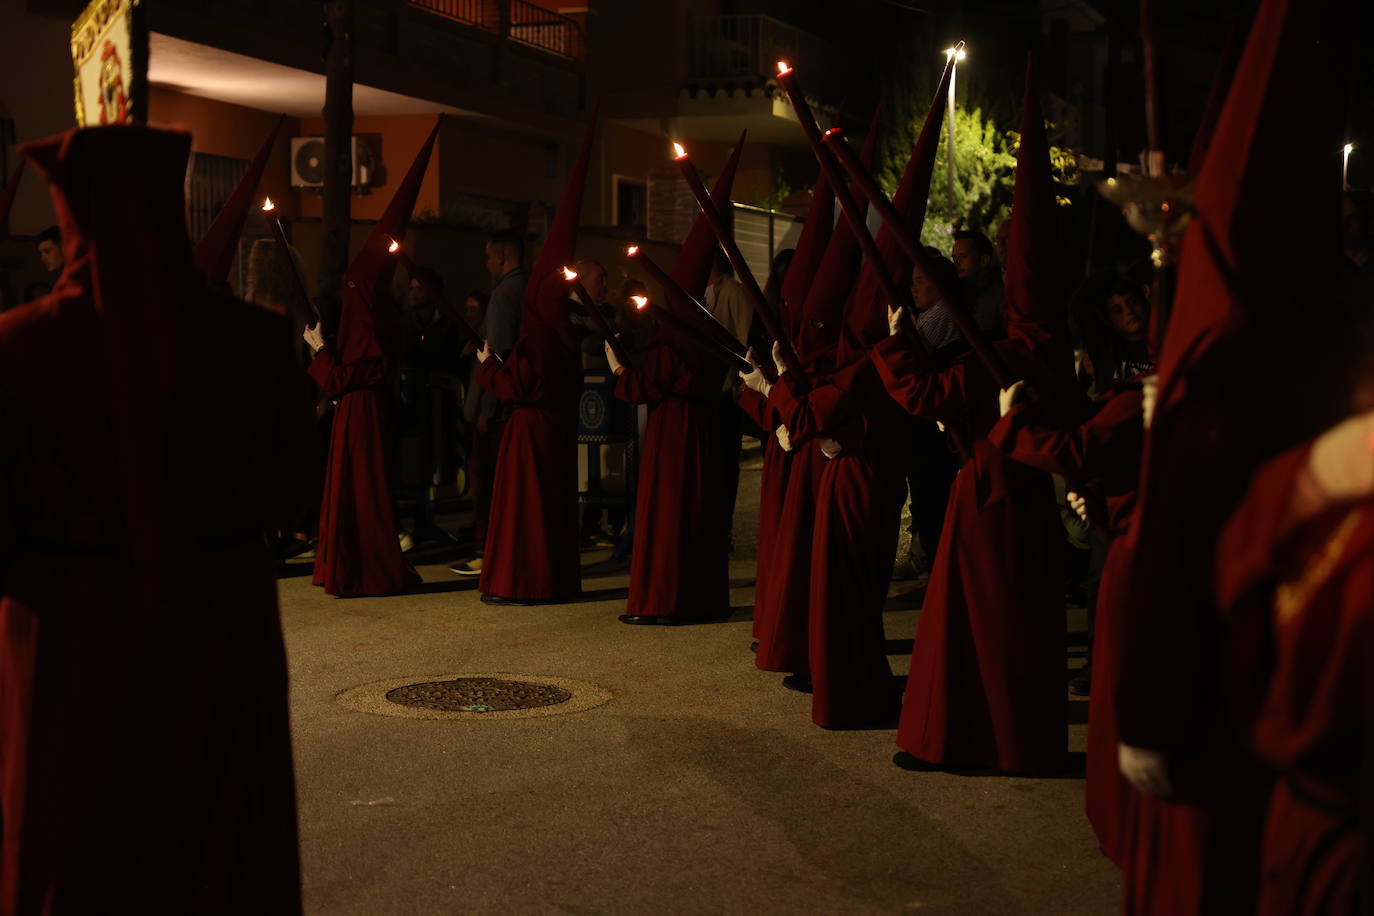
(734, 53)
(520, 21)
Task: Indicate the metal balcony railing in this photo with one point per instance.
(517, 20)
(746, 48)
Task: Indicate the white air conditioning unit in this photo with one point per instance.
(308, 165)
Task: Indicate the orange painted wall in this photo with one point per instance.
(222, 129)
(401, 138)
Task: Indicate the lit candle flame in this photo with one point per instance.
(681, 153)
(1349, 148)
(569, 274)
(267, 205)
(956, 52)
(640, 301)
(394, 247)
(833, 130)
(632, 250)
(784, 68)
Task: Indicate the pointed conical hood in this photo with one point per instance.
(1250, 338)
(824, 306)
(112, 232)
(811, 245)
(692, 266)
(1034, 311)
(1216, 97)
(7, 197)
(866, 314)
(373, 266)
(546, 292)
(1233, 266)
(368, 318)
(215, 251)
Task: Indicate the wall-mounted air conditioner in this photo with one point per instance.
(307, 162)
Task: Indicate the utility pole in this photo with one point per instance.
(338, 152)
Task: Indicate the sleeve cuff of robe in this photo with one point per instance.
(485, 371)
(1007, 432)
(321, 366)
(782, 400)
(894, 359)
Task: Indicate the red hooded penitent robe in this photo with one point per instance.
(358, 552)
(854, 540)
(1103, 452)
(785, 651)
(145, 754)
(680, 566)
(532, 549)
(987, 670)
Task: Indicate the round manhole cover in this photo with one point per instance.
(474, 696)
(478, 694)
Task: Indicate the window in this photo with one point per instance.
(627, 200)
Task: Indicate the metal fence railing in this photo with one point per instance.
(481, 13)
(539, 28)
(518, 20)
(748, 47)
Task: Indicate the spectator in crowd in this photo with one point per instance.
(271, 285)
(589, 340)
(930, 473)
(505, 261)
(50, 250)
(432, 361)
(980, 273)
(475, 309)
(1112, 313)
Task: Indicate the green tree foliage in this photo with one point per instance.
(984, 174)
(987, 104)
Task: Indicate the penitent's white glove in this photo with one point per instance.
(1010, 396)
(830, 448)
(784, 438)
(755, 380)
(778, 362)
(616, 367)
(1149, 389)
(1147, 770)
(894, 320)
(1078, 504)
(1342, 459)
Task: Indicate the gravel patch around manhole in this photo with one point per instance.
(470, 696)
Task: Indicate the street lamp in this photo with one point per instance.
(954, 54)
(1345, 165)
